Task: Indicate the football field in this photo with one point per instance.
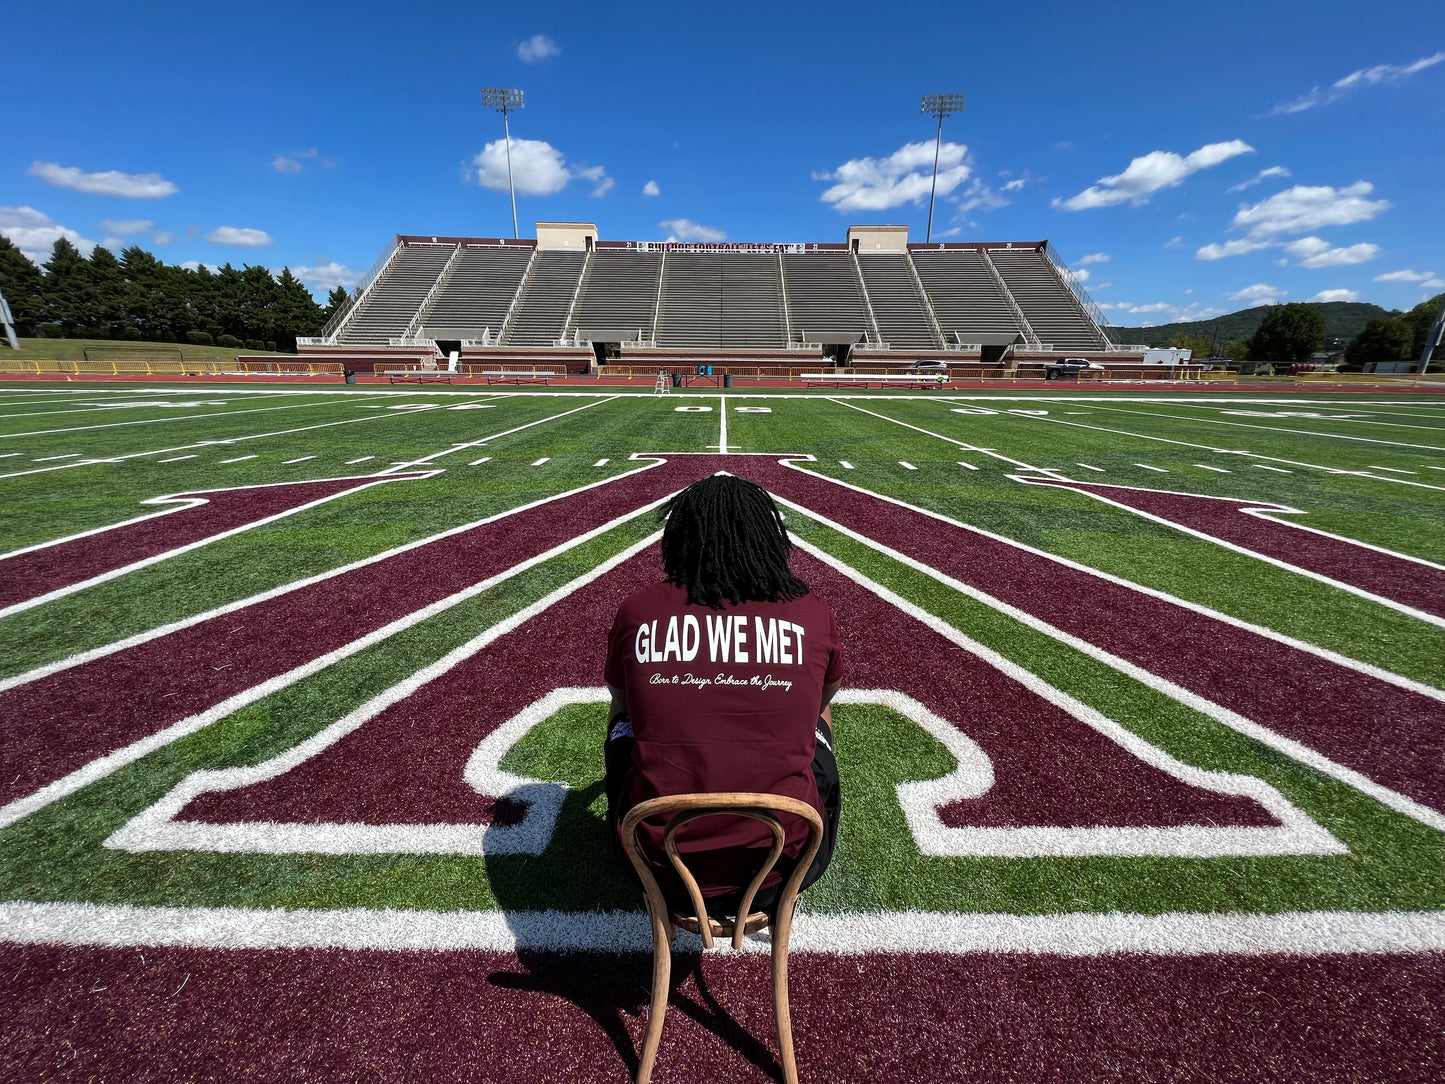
(1142, 735)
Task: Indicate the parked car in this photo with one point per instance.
(1068, 368)
(936, 366)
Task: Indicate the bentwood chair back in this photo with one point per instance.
(684, 809)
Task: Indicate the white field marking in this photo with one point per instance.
(722, 435)
(1016, 410)
(10, 455)
(753, 410)
(474, 406)
(414, 406)
(495, 436)
(1231, 451)
(243, 458)
(845, 464)
(1267, 511)
(602, 462)
(363, 459)
(156, 829)
(1216, 470)
(972, 410)
(961, 444)
(1367, 418)
(299, 459)
(158, 421)
(112, 405)
(1288, 746)
(950, 933)
(1392, 470)
(1369, 669)
(135, 640)
(1146, 466)
(1265, 466)
(52, 458)
(479, 462)
(202, 444)
(180, 504)
(692, 410)
(1079, 412)
(544, 459)
(1274, 428)
(1297, 832)
(906, 465)
(176, 458)
(1086, 466)
(969, 466)
(1435, 468)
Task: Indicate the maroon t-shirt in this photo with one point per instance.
(723, 700)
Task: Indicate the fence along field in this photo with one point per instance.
(1050, 764)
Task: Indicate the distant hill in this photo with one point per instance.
(1343, 321)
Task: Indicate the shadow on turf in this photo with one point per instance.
(610, 988)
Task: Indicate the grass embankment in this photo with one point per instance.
(74, 350)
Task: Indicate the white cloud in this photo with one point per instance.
(1317, 252)
(684, 229)
(1337, 295)
(877, 184)
(1161, 312)
(1405, 276)
(979, 196)
(1174, 242)
(1229, 248)
(1094, 257)
(127, 227)
(1081, 273)
(1015, 184)
(1433, 284)
(282, 164)
(1261, 293)
(196, 265)
(1261, 176)
(110, 183)
(1364, 77)
(237, 235)
(651, 189)
(538, 169)
(1304, 208)
(327, 276)
(35, 233)
(164, 237)
(1151, 172)
(537, 48)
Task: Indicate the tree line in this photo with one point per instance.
(138, 298)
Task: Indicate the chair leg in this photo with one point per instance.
(782, 930)
(662, 930)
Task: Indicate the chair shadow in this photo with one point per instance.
(609, 987)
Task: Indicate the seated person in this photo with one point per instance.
(720, 679)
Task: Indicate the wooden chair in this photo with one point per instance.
(685, 809)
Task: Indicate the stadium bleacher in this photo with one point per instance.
(889, 299)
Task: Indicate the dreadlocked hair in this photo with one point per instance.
(725, 540)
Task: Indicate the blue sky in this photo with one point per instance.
(1191, 159)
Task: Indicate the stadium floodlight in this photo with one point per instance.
(940, 106)
(506, 100)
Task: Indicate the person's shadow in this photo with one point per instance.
(611, 983)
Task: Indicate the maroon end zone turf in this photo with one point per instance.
(40, 571)
(405, 766)
(334, 1016)
(1383, 574)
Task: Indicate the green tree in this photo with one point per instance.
(336, 301)
(107, 284)
(69, 296)
(21, 283)
(1418, 320)
(1198, 346)
(1289, 333)
(258, 303)
(1385, 339)
(296, 311)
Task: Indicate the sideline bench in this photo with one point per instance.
(530, 376)
(839, 380)
(419, 376)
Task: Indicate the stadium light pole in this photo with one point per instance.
(940, 106)
(506, 100)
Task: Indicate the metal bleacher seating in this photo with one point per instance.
(480, 289)
(389, 306)
(620, 293)
(823, 295)
(902, 319)
(964, 296)
(729, 300)
(1048, 304)
(547, 296)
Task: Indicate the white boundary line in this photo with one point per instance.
(94, 653)
(1289, 747)
(175, 418)
(183, 502)
(1073, 934)
(1271, 428)
(1259, 513)
(103, 766)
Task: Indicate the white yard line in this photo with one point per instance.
(1146, 466)
(906, 465)
(1266, 466)
(928, 433)
(1086, 466)
(544, 459)
(479, 462)
(1392, 470)
(1216, 470)
(52, 458)
(1273, 428)
(298, 459)
(722, 421)
(176, 418)
(239, 459)
(176, 458)
(968, 466)
(363, 459)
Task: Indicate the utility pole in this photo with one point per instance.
(505, 101)
(940, 106)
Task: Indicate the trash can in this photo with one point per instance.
(677, 380)
(727, 380)
(350, 375)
